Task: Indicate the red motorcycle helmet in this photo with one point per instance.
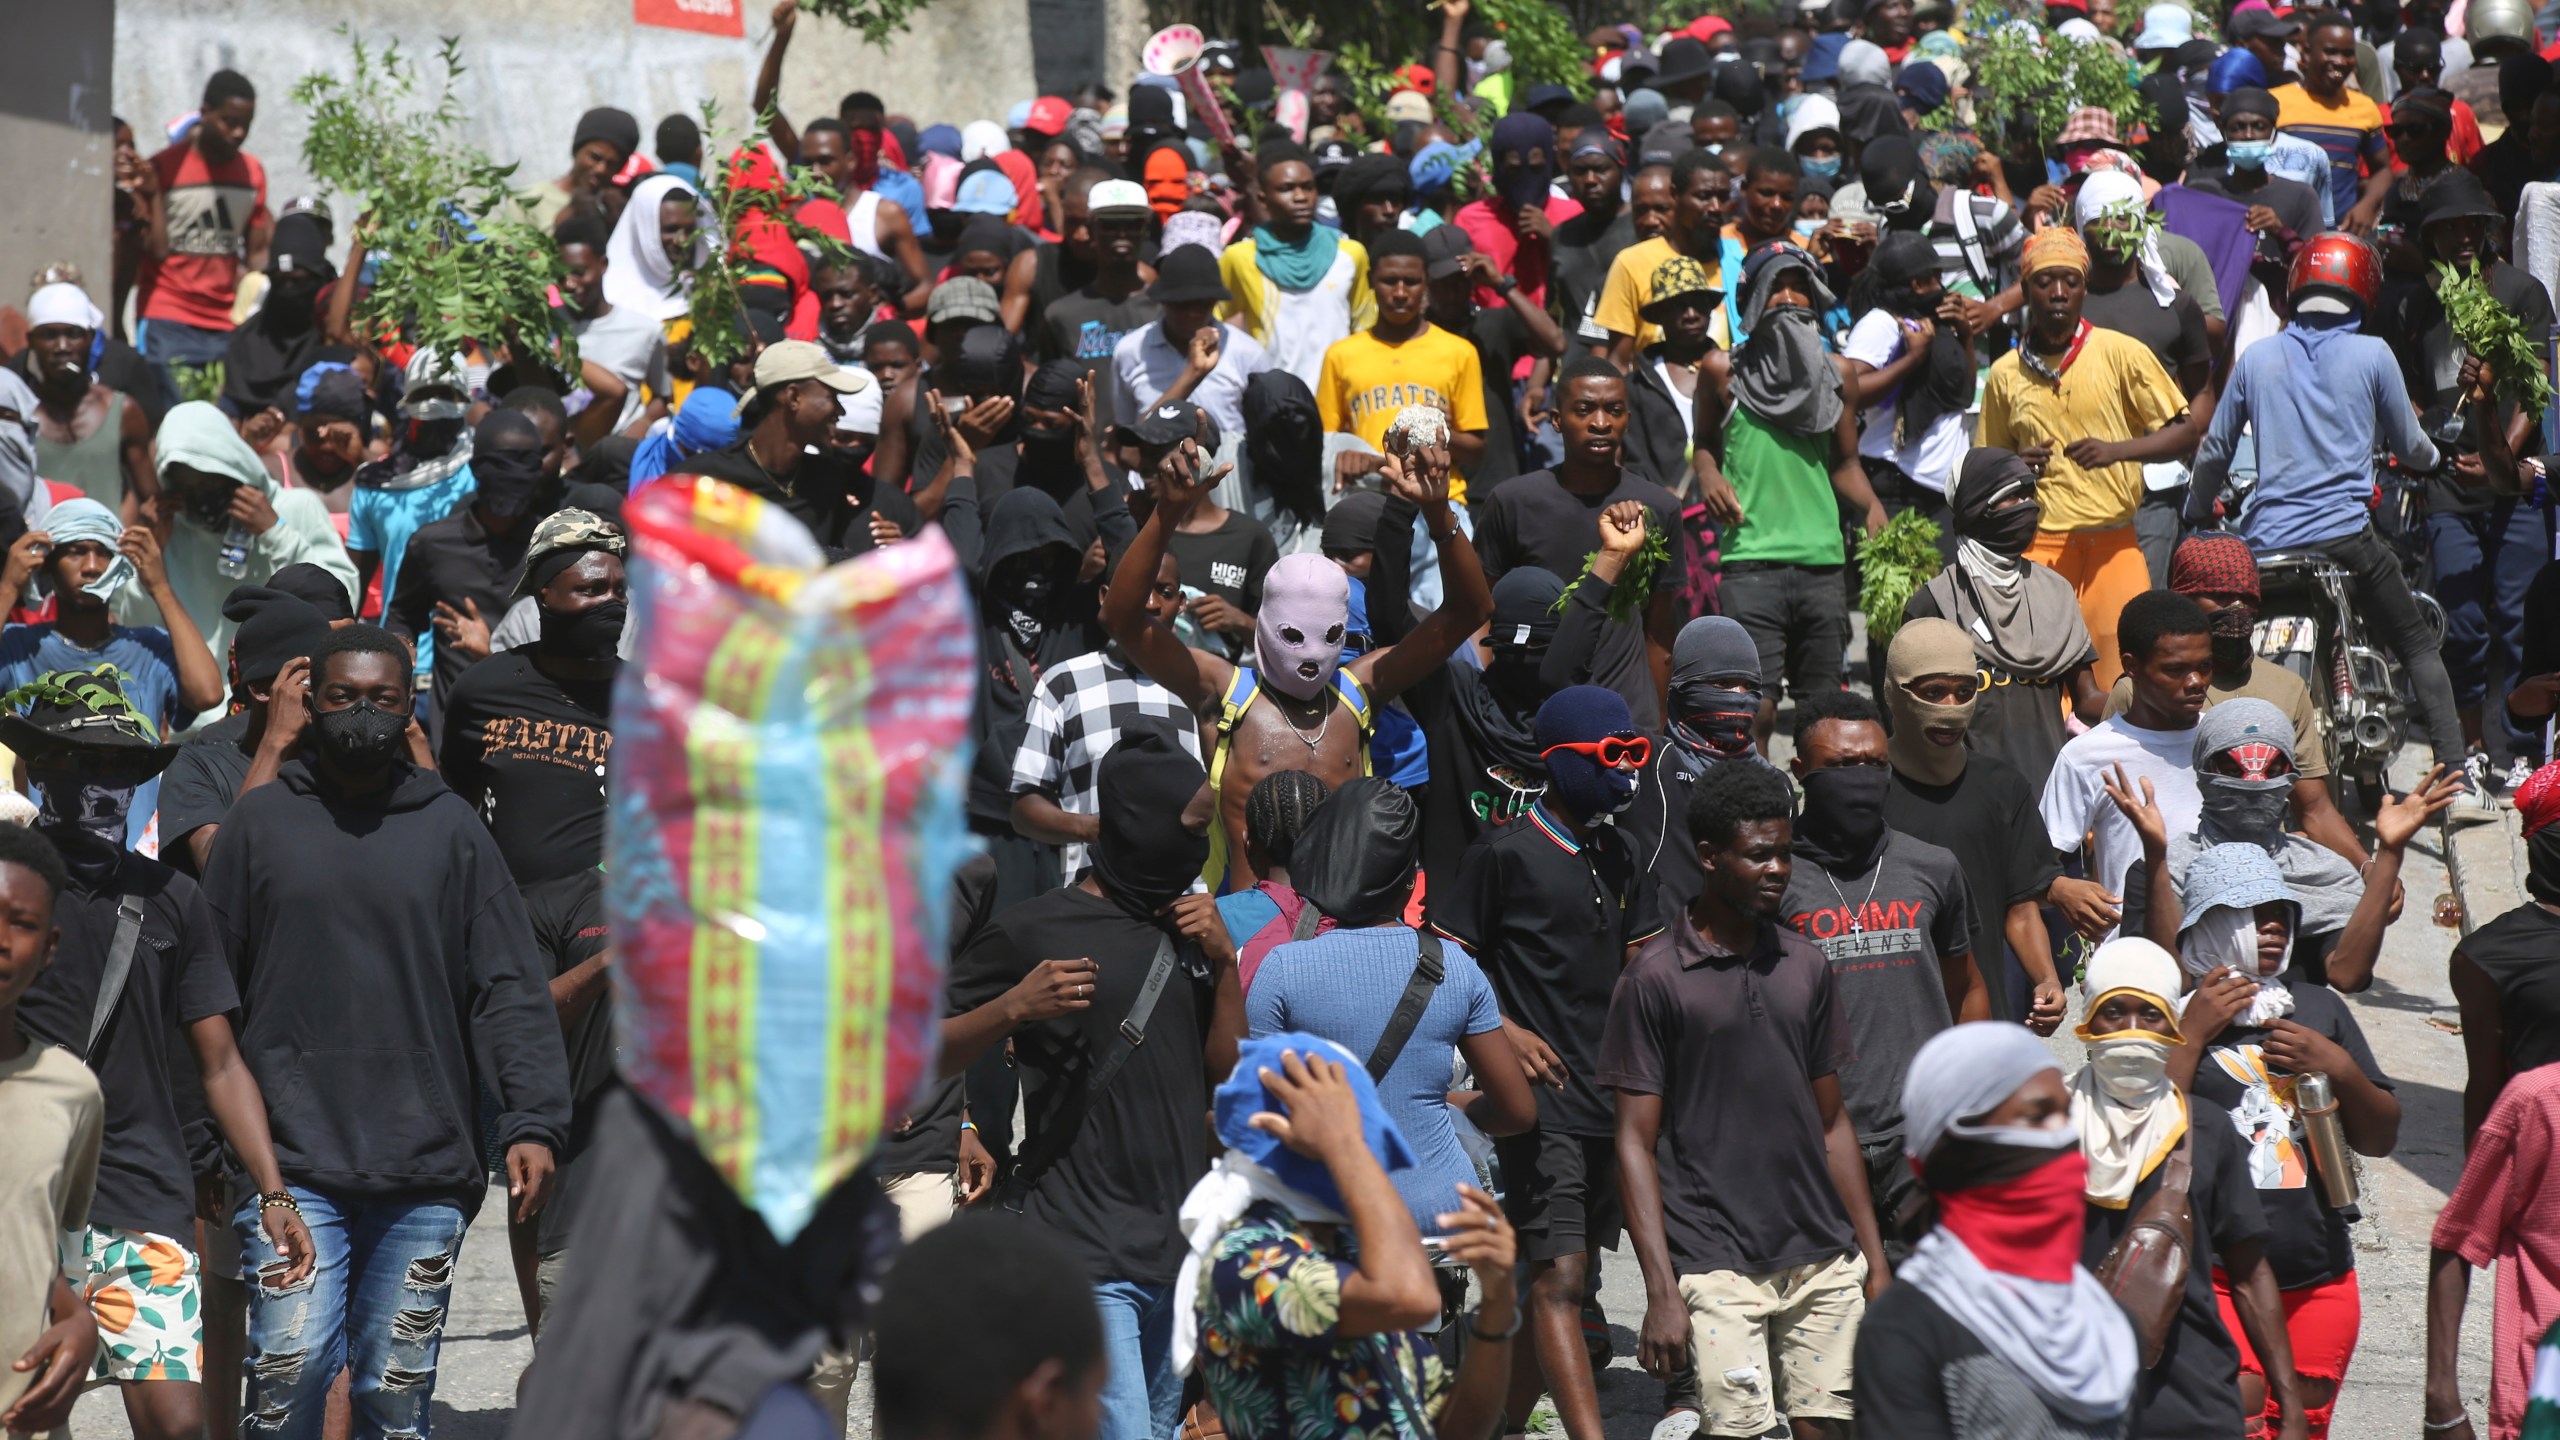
(2338, 266)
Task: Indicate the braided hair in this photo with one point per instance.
(1278, 809)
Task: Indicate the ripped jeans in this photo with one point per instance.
(374, 1303)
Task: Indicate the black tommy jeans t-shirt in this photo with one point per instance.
(529, 755)
(179, 976)
(1733, 1044)
(1137, 1152)
(2306, 1240)
(1550, 917)
(2195, 1389)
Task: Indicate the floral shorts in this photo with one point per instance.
(143, 1290)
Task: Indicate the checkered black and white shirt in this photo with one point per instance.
(1079, 712)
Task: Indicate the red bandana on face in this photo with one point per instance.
(2030, 1225)
(2255, 759)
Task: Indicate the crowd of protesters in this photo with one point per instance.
(1400, 519)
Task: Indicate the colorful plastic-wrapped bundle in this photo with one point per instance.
(790, 757)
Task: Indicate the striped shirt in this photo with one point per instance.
(2348, 129)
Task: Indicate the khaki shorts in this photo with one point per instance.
(1805, 1318)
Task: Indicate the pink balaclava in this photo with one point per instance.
(1297, 639)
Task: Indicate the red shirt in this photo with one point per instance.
(211, 208)
(2506, 1212)
(1489, 225)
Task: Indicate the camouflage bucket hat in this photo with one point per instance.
(567, 532)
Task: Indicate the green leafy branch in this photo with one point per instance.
(1892, 567)
(715, 297)
(2027, 72)
(1634, 583)
(458, 266)
(876, 20)
(2493, 335)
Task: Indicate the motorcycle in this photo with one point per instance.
(2309, 621)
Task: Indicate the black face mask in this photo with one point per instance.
(1715, 720)
(507, 479)
(360, 737)
(90, 809)
(2008, 531)
(1843, 820)
(2234, 630)
(594, 633)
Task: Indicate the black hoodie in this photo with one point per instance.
(1024, 520)
(387, 972)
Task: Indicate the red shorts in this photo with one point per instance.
(2322, 1321)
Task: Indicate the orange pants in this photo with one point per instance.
(2106, 569)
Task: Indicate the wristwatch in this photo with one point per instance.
(1505, 284)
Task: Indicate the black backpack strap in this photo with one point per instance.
(119, 969)
(1054, 1136)
(1428, 972)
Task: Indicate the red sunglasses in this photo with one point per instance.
(1613, 751)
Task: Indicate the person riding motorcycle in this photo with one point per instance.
(2319, 397)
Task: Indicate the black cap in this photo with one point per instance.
(1444, 252)
(1351, 526)
(1187, 273)
(315, 587)
(1170, 422)
(1539, 97)
(1684, 58)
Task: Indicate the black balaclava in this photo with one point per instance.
(1142, 854)
(1284, 443)
(1048, 457)
(1842, 827)
(1357, 853)
(506, 462)
(1897, 183)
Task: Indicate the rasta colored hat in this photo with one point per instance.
(560, 539)
(2213, 565)
(1680, 275)
(82, 710)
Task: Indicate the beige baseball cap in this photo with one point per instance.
(789, 361)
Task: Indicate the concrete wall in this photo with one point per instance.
(57, 145)
(534, 65)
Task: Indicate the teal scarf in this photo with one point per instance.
(1300, 266)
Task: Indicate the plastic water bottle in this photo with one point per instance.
(235, 551)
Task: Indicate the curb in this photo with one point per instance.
(2486, 863)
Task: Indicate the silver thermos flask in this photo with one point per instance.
(2327, 1138)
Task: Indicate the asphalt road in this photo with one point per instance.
(2408, 1015)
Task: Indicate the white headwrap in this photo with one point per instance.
(2106, 190)
(1232, 1186)
(2226, 938)
(62, 303)
(2129, 1113)
(638, 276)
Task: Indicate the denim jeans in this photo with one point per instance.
(2393, 612)
(374, 1304)
(170, 342)
(1142, 1399)
(2483, 564)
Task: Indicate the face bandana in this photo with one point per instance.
(594, 633)
(2029, 1224)
(1842, 827)
(1716, 723)
(2132, 1066)
(2233, 630)
(360, 737)
(2245, 810)
(88, 808)
(1297, 639)
(507, 479)
(1585, 787)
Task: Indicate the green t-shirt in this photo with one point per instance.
(1789, 514)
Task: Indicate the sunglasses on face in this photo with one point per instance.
(1615, 752)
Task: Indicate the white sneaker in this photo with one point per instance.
(1678, 1425)
(2517, 773)
(2476, 803)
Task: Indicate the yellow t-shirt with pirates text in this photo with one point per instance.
(1366, 382)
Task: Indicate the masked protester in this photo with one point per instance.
(1890, 913)
(427, 476)
(131, 922)
(276, 632)
(369, 914)
(2028, 638)
(1715, 707)
(1996, 1320)
(1979, 808)
(454, 574)
(227, 524)
(1355, 863)
(1107, 1172)
(2136, 1136)
(1515, 226)
(528, 742)
(1549, 905)
(1478, 721)
(267, 354)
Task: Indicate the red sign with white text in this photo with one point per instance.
(711, 17)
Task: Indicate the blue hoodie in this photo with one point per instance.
(2317, 396)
